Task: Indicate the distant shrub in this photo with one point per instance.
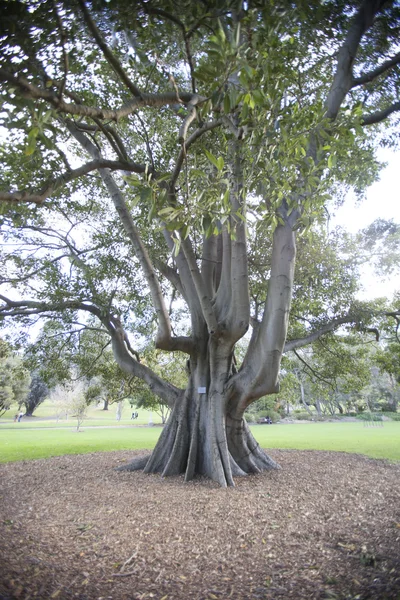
(303, 415)
(250, 417)
(369, 417)
(272, 414)
(262, 414)
(392, 415)
(386, 407)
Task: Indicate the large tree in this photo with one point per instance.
(38, 391)
(14, 378)
(165, 154)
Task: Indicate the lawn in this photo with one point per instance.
(377, 442)
(28, 443)
(44, 416)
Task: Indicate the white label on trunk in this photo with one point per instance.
(202, 390)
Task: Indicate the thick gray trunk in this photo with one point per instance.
(201, 438)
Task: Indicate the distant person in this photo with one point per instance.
(16, 418)
(21, 414)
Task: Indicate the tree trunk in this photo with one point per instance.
(202, 436)
(105, 407)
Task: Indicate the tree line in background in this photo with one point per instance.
(343, 377)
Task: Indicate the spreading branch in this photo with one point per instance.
(371, 75)
(343, 79)
(164, 338)
(51, 186)
(380, 115)
(34, 92)
(335, 323)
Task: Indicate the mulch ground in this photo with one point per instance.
(325, 526)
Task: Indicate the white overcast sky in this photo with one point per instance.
(382, 201)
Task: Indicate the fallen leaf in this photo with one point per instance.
(350, 547)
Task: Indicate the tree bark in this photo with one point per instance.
(201, 436)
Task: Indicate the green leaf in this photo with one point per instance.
(31, 146)
(227, 104)
(213, 159)
(177, 246)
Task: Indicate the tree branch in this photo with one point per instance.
(380, 115)
(185, 147)
(34, 92)
(203, 297)
(371, 75)
(262, 360)
(13, 308)
(343, 78)
(171, 274)
(315, 335)
(51, 186)
(164, 339)
(108, 54)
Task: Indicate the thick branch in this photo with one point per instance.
(209, 263)
(380, 115)
(164, 390)
(315, 335)
(343, 79)
(371, 75)
(18, 308)
(51, 186)
(204, 298)
(262, 361)
(164, 338)
(189, 290)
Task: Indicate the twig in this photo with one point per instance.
(127, 574)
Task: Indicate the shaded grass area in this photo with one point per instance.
(376, 442)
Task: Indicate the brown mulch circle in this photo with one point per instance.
(325, 526)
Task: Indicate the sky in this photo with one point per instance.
(382, 201)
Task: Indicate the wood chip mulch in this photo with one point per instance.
(325, 526)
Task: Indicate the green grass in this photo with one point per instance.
(377, 442)
(29, 443)
(96, 417)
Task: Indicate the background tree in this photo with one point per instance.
(388, 361)
(70, 399)
(197, 138)
(168, 366)
(14, 378)
(38, 391)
